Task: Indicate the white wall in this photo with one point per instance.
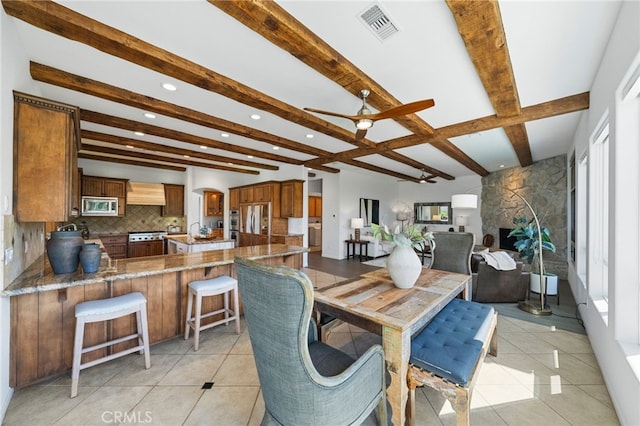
(442, 191)
(619, 359)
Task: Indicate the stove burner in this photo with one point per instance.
(136, 236)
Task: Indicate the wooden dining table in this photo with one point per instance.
(372, 302)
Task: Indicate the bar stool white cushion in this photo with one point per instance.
(212, 287)
(104, 310)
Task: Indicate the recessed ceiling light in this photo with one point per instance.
(309, 136)
(203, 147)
(276, 148)
(149, 115)
(501, 165)
(249, 156)
(309, 168)
(170, 87)
(138, 133)
(186, 156)
(224, 135)
(130, 146)
(255, 117)
(230, 164)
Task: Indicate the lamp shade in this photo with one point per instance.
(357, 222)
(464, 201)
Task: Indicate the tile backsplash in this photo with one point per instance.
(138, 218)
(27, 242)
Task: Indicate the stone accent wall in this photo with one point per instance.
(544, 185)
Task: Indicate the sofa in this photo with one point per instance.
(377, 247)
(490, 285)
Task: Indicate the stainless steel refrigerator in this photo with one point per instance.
(255, 222)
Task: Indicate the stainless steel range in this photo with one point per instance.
(137, 236)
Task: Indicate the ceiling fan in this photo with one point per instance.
(364, 120)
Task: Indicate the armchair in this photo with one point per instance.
(490, 285)
(304, 381)
(377, 247)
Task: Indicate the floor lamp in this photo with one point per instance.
(470, 201)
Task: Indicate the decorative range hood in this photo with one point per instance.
(145, 194)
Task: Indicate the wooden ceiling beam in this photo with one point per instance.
(149, 146)
(91, 87)
(110, 159)
(566, 105)
(132, 154)
(480, 26)
(274, 23)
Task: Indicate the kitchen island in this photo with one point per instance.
(43, 304)
(189, 244)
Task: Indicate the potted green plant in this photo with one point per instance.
(529, 244)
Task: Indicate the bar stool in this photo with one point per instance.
(104, 310)
(213, 287)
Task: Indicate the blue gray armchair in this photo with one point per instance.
(304, 381)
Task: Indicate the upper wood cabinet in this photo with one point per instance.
(174, 199)
(97, 186)
(213, 203)
(234, 199)
(46, 140)
(291, 198)
(262, 193)
(246, 194)
(315, 206)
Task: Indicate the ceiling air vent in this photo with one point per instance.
(379, 22)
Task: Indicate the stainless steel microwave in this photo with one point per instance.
(99, 206)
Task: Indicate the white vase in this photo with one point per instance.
(551, 283)
(404, 266)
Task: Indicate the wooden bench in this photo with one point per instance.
(447, 354)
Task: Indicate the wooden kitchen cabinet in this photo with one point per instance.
(98, 186)
(115, 245)
(292, 240)
(234, 199)
(145, 248)
(213, 203)
(315, 206)
(45, 160)
(174, 199)
(246, 194)
(291, 198)
(262, 193)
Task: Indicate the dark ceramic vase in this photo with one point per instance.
(63, 249)
(90, 258)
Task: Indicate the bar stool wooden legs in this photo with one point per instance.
(213, 287)
(104, 310)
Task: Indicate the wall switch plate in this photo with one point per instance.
(8, 255)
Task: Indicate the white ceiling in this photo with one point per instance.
(555, 49)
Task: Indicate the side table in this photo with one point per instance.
(352, 244)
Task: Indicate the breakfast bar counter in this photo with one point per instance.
(40, 277)
(43, 304)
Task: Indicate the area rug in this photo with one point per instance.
(380, 262)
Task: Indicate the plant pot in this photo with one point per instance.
(551, 283)
(404, 267)
(90, 256)
(63, 249)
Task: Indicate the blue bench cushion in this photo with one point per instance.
(449, 346)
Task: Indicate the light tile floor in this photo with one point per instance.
(540, 377)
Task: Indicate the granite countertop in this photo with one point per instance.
(185, 239)
(40, 277)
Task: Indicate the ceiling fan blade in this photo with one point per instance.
(335, 114)
(360, 133)
(405, 109)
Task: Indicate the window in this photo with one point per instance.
(581, 220)
(599, 212)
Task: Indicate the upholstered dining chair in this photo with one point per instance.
(453, 251)
(304, 381)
